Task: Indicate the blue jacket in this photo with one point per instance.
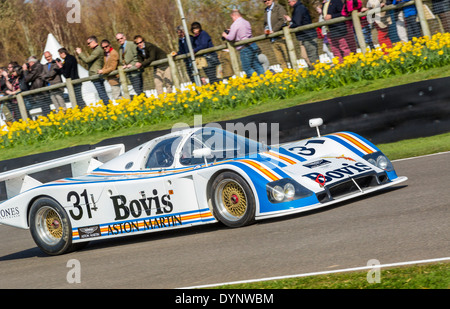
(183, 46)
(202, 41)
(407, 11)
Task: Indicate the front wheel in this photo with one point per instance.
(233, 200)
(50, 227)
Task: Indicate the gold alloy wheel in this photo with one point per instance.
(49, 225)
(53, 222)
(234, 199)
(231, 200)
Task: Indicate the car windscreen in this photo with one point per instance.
(163, 153)
(223, 144)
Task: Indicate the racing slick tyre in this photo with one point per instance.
(50, 227)
(233, 200)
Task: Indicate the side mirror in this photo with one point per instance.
(202, 153)
(316, 123)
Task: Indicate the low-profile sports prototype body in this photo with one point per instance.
(192, 177)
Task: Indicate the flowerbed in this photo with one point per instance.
(418, 55)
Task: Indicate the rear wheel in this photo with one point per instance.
(233, 200)
(50, 227)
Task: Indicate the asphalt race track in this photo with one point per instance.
(405, 223)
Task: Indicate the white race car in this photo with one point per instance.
(190, 177)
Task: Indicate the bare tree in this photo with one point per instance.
(25, 24)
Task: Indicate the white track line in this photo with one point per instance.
(321, 273)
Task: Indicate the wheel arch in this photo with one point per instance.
(233, 170)
(247, 181)
(212, 178)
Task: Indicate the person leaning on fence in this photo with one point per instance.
(240, 30)
(442, 9)
(52, 76)
(147, 53)
(337, 33)
(111, 62)
(34, 78)
(409, 23)
(202, 40)
(95, 62)
(322, 34)
(128, 58)
(381, 20)
(307, 38)
(4, 109)
(183, 49)
(366, 27)
(274, 21)
(348, 7)
(69, 69)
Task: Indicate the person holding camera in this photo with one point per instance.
(69, 69)
(240, 30)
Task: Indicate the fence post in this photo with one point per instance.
(234, 59)
(71, 91)
(358, 31)
(174, 71)
(290, 47)
(22, 108)
(422, 18)
(124, 83)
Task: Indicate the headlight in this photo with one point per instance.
(285, 190)
(379, 160)
(277, 193)
(289, 190)
(382, 162)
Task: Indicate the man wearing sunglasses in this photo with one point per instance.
(147, 53)
(111, 57)
(95, 63)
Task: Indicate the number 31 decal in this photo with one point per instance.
(306, 151)
(75, 199)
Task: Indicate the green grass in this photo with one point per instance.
(230, 114)
(416, 147)
(428, 276)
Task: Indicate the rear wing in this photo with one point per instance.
(19, 180)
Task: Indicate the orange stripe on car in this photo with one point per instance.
(280, 157)
(355, 142)
(262, 169)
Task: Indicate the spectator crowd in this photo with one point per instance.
(100, 57)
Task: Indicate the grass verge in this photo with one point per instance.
(416, 147)
(426, 276)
